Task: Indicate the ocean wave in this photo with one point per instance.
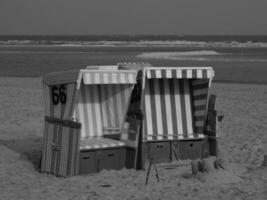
(178, 55)
(205, 55)
(141, 43)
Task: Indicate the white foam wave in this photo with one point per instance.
(178, 55)
(204, 55)
(142, 43)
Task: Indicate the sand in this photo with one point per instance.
(242, 143)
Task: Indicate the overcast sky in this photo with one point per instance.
(133, 17)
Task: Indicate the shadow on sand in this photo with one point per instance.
(30, 148)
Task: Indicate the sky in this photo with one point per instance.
(133, 17)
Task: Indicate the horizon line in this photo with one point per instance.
(178, 35)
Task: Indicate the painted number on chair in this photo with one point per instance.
(59, 94)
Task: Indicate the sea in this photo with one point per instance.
(235, 58)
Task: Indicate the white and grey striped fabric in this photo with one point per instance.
(200, 88)
(91, 76)
(168, 110)
(198, 73)
(114, 104)
(108, 77)
(99, 143)
(102, 108)
(103, 100)
(88, 111)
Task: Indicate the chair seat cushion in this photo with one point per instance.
(99, 143)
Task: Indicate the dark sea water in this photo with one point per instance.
(235, 58)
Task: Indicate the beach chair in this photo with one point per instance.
(85, 113)
(173, 102)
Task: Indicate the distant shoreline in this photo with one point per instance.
(231, 65)
(227, 41)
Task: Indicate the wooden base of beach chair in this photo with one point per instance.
(205, 148)
(213, 146)
(96, 160)
(167, 151)
(191, 149)
(130, 158)
(87, 162)
(159, 152)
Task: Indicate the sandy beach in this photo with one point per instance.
(242, 143)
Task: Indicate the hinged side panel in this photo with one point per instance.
(61, 143)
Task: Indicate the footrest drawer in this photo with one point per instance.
(87, 162)
(191, 149)
(159, 151)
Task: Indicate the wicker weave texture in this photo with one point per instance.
(61, 147)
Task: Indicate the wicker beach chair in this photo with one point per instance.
(95, 101)
(174, 103)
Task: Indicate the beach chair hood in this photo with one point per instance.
(92, 96)
(173, 100)
(103, 100)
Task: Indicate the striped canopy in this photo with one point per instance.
(108, 77)
(187, 73)
(91, 76)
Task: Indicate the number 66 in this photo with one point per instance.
(59, 94)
